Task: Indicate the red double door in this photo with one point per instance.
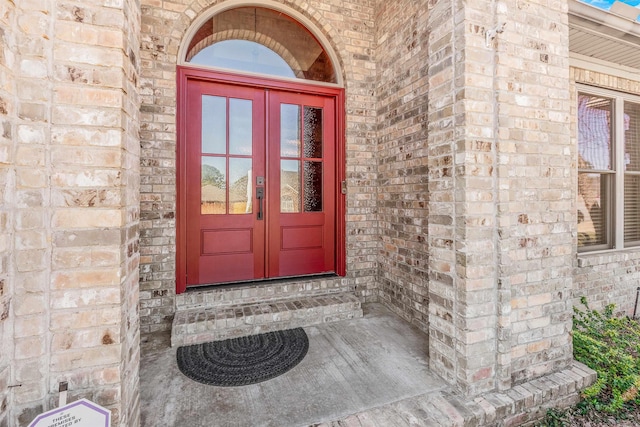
(260, 184)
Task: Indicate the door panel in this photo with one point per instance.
(302, 237)
(260, 183)
(225, 241)
(302, 148)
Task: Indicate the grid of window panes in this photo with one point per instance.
(301, 153)
(227, 131)
(608, 171)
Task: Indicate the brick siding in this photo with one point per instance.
(7, 130)
(500, 191)
(460, 205)
(69, 171)
(403, 195)
(605, 278)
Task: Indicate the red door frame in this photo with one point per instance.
(186, 73)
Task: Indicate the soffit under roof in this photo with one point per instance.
(602, 35)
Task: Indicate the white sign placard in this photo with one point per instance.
(81, 413)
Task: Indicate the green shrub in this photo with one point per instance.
(554, 418)
(610, 346)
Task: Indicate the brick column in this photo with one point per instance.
(28, 208)
(500, 214)
(536, 187)
(7, 121)
(95, 206)
(74, 197)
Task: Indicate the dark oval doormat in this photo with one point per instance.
(245, 360)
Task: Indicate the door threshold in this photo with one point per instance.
(257, 282)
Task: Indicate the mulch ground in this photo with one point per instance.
(574, 418)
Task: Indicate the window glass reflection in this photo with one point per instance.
(214, 124)
(240, 126)
(289, 130)
(243, 55)
(289, 186)
(214, 186)
(594, 132)
(593, 208)
(240, 189)
(631, 127)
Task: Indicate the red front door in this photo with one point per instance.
(259, 183)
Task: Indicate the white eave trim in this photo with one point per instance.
(599, 16)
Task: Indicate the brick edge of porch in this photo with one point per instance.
(521, 406)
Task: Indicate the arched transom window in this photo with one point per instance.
(260, 40)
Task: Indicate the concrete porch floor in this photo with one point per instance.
(367, 372)
(351, 366)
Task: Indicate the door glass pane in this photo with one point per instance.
(632, 136)
(213, 194)
(313, 132)
(594, 132)
(289, 186)
(594, 207)
(289, 130)
(312, 186)
(240, 126)
(214, 124)
(240, 189)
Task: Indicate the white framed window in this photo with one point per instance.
(608, 198)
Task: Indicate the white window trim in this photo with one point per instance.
(618, 98)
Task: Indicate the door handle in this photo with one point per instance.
(260, 196)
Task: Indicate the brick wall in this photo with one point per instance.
(72, 193)
(500, 217)
(349, 25)
(7, 128)
(403, 195)
(130, 207)
(535, 189)
(605, 278)
(441, 228)
(485, 157)
(30, 201)
(157, 171)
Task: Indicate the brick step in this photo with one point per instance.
(259, 293)
(204, 324)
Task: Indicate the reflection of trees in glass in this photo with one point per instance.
(240, 184)
(238, 189)
(212, 176)
(289, 189)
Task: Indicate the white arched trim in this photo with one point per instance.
(267, 4)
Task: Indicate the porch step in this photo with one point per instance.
(261, 292)
(204, 324)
